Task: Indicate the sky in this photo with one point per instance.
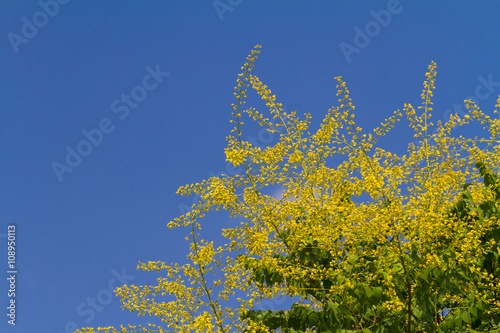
(107, 107)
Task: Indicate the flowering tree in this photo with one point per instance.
(376, 243)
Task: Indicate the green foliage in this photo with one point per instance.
(432, 314)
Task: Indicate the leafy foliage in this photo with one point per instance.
(367, 298)
(378, 243)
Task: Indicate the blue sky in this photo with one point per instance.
(142, 92)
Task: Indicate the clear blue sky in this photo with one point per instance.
(71, 67)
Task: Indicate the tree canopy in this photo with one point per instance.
(375, 243)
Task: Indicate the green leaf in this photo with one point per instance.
(465, 316)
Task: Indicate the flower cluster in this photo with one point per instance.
(378, 240)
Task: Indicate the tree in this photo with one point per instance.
(377, 243)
